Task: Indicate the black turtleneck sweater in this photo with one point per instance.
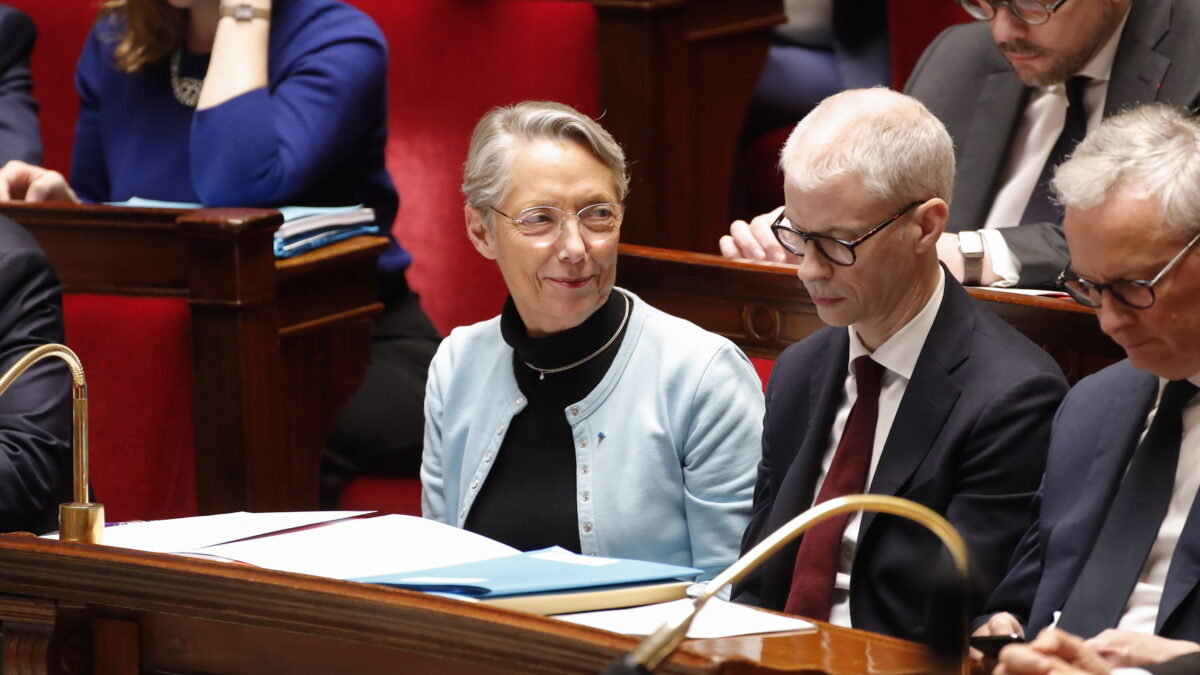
(528, 499)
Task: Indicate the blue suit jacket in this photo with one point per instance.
(1095, 433)
(35, 412)
(968, 441)
(964, 80)
(20, 137)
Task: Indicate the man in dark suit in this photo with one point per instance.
(19, 134)
(957, 412)
(35, 412)
(1000, 87)
(1117, 541)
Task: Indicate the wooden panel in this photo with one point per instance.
(200, 617)
(676, 77)
(278, 346)
(763, 307)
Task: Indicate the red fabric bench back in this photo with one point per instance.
(137, 357)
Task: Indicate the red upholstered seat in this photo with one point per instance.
(137, 357)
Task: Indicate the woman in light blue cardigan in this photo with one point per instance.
(581, 416)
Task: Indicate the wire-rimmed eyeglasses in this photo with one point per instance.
(837, 251)
(1136, 293)
(1032, 12)
(544, 223)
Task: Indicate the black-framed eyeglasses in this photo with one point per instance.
(1136, 293)
(544, 223)
(836, 251)
(1032, 12)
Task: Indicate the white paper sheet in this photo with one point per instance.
(179, 535)
(365, 547)
(717, 619)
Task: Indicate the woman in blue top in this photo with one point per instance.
(582, 417)
(255, 103)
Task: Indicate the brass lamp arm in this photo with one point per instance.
(656, 648)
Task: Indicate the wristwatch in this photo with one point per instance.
(970, 243)
(244, 11)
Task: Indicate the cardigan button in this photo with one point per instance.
(474, 483)
(487, 457)
(520, 400)
(499, 429)
(585, 469)
(574, 410)
(587, 527)
(587, 496)
(583, 442)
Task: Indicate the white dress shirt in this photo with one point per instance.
(898, 354)
(1141, 612)
(1040, 127)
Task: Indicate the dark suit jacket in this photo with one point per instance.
(968, 441)
(35, 412)
(964, 80)
(19, 134)
(1094, 435)
(1188, 664)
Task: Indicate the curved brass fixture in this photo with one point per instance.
(80, 520)
(658, 646)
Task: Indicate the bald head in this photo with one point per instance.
(899, 150)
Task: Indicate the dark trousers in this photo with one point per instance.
(380, 432)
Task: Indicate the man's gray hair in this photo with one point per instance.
(899, 150)
(488, 171)
(1153, 149)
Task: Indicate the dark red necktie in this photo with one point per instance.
(811, 594)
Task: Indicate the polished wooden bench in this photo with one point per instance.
(763, 307)
(277, 346)
(74, 608)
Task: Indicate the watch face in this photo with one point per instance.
(243, 12)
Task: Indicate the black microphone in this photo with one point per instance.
(655, 648)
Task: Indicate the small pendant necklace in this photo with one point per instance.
(543, 371)
(186, 89)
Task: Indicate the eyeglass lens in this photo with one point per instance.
(1029, 11)
(834, 250)
(547, 221)
(1139, 296)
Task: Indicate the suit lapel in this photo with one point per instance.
(984, 150)
(1184, 571)
(1070, 542)
(928, 398)
(798, 488)
(1138, 70)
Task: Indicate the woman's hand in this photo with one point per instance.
(22, 181)
(238, 63)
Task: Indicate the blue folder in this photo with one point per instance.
(547, 570)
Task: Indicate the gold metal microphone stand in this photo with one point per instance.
(80, 520)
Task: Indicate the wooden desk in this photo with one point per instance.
(278, 346)
(763, 307)
(71, 609)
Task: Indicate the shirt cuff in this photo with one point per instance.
(1004, 264)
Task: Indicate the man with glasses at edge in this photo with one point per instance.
(1007, 107)
(913, 390)
(1116, 544)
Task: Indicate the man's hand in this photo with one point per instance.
(19, 180)
(1122, 648)
(1054, 652)
(755, 240)
(1000, 623)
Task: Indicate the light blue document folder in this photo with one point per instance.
(547, 570)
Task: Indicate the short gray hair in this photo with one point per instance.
(897, 147)
(1153, 148)
(487, 173)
